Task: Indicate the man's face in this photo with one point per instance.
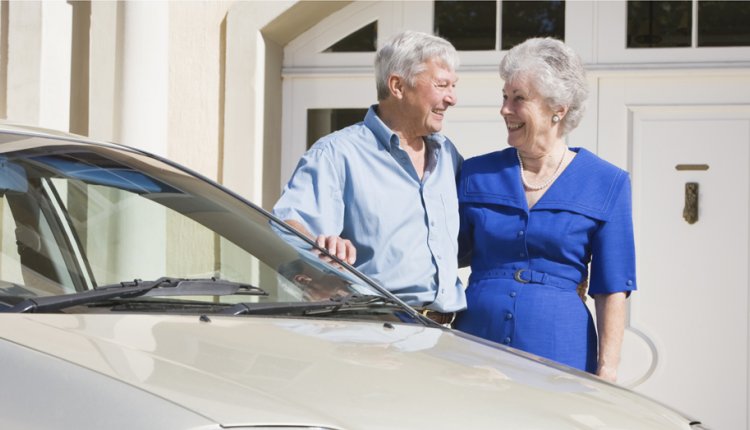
(433, 92)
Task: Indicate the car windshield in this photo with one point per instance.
(81, 220)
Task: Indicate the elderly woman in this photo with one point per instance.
(537, 215)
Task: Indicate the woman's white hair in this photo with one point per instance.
(406, 55)
(555, 70)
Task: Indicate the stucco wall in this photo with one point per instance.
(198, 82)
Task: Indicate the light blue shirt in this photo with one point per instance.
(358, 183)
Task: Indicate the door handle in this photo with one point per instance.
(690, 211)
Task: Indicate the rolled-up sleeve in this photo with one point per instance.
(313, 195)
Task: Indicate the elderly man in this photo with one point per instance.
(381, 194)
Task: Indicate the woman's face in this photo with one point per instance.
(527, 116)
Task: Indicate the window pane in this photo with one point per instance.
(724, 23)
(321, 122)
(659, 24)
(469, 25)
(362, 40)
(525, 19)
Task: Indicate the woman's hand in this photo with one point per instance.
(607, 373)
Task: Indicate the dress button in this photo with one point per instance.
(506, 341)
(521, 233)
(513, 294)
(630, 282)
(508, 316)
(523, 254)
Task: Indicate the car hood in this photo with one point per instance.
(336, 374)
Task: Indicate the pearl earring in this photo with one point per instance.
(555, 118)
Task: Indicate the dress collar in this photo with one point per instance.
(587, 185)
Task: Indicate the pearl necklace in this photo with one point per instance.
(548, 181)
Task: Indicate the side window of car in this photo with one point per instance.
(10, 263)
(34, 259)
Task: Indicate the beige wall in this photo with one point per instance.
(256, 33)
(195, 84)
(198, 82)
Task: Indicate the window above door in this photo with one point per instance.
(497, 25)
(674, 24)
(607, 34)
(673, 32)
(347, 39)
(363, 40)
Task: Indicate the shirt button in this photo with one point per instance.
(513, 294)
(506, 341)
(509, 316)
(439, 257)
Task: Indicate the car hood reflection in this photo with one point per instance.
(245, 370)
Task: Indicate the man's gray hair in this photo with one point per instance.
(555, 70)
(406, 55)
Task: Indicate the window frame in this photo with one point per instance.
(304, 55)
(611, 23)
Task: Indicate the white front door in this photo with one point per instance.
(687, 341)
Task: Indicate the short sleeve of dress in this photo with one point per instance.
(613, 248)
(313, 195)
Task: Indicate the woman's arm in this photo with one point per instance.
(610, 324)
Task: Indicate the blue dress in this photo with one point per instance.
(526, 263)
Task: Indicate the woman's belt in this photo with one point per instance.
(525, 276)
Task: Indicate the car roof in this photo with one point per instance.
(16, 128)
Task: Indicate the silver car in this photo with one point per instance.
(136, 294)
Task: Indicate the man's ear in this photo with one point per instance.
(396, 86)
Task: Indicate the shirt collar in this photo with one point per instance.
(387, 138)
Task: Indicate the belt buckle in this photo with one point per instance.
(517, 276)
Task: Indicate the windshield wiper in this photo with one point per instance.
(161, 287)
(353, 302)
(202, 287)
